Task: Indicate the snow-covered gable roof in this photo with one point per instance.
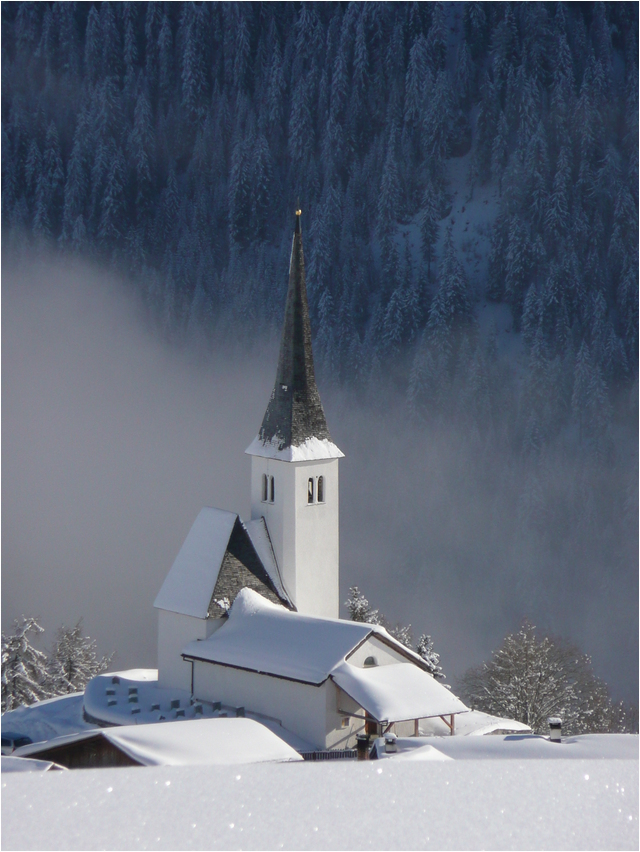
(188, 586)
(201, 741)
(184, 743)
(216, 539)
(266, 638)
(396, 693)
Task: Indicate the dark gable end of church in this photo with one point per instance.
(295, 412)
(241, 568)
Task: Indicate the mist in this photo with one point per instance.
(113, 441)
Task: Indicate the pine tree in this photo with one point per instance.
(557, 213)
(93, 46)
(476, 27)
(240, 194)
(301, 131)
(425, 649)
(452, 302)
(193, 73)
(142, 153)
(417, 83)
(112, 225)
(76, 189)
(439, 121)
(111, 42)
(358, 607)
(361, 84)
(485, 132)
(429, 225)
(436, 45)
(262, 176)
(389, 198)
(73, 661)
(275, 97)
(530, 679)
(165, 60)
(531, 314)
(24, 668)
(32, 172)
(130, 43)
(500, 151)
(49, 189)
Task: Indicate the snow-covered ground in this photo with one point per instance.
(437, 792)
(455, 804)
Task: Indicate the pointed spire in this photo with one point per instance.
(294, 414)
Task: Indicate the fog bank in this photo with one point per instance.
(113, 442)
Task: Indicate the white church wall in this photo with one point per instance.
(305, 536)
(176, 630)
(300, 707)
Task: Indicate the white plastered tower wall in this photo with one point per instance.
(304, 535)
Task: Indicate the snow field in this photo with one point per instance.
(482, 804)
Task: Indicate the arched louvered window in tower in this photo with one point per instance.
(268, 488)
(321, 489)
(310, 490)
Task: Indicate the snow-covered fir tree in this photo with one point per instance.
(532, 677)
(73, 660)
(431, 657)
(29, 674)
(359, 609)
(25, 670)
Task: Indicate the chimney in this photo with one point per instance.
(555, 729)
(390, 744)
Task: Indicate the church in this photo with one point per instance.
(248, 613)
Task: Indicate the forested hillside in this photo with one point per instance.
(456, 164)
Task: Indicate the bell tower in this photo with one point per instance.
(294, 463)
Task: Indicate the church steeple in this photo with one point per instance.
(294, 464)
(294, 417)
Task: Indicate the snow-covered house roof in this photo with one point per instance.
(185, 743)
(262, 637)
(220, 555)
(294, 427)
(258, 636)
(396, 693)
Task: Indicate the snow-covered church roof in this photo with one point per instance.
(294, 427)
(220, 555)
(266, 638)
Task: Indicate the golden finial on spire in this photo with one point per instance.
(298, 212)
